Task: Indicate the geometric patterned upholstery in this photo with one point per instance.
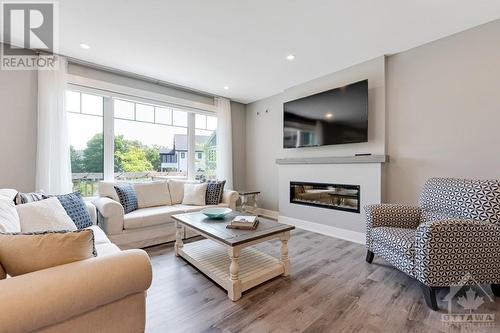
(462, 198)
(396, 239)
(454, 231)
(397, 245)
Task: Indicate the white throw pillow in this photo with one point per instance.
(8, 193)
(176, 189)
(44, 215)
(9, 219)
(194, 194)
(152, 194)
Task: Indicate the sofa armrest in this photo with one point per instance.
(31, 301)
(392, 215)
(110, 215)
(92, 211)
(448, 250)
(230, 197)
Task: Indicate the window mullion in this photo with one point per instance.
(109, 139)
(191, 146)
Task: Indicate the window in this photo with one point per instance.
(140, 141)
(85, 128)
(144, 140)
(205, 145)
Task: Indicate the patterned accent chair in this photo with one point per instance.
(455, 231)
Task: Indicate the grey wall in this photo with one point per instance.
(263, 143)
(238, 113)
(18, 129)
(265, 129)
(442, 118)
(443, 111)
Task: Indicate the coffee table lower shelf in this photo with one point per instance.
(250, 269)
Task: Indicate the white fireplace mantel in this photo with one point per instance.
(335, 159)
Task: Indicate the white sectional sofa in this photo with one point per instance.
(148, 225)
(102, 294)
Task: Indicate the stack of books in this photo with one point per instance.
(244, 222)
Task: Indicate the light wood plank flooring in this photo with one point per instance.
(330, 289)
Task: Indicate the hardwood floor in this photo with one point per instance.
(331, 288)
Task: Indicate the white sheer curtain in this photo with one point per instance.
(53, 164)
(224, 141)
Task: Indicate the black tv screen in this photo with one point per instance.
(336, 116)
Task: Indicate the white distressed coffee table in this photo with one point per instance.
(226, 255)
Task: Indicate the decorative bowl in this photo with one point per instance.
(216, 212)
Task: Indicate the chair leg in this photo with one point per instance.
(430, 297)
(495, 288)
(369, 256)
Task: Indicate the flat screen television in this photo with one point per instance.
(332, 117)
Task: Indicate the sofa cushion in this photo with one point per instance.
(128, 197)
(176, 189)
(29, 252)
(76, 209)
(195, 194)
(107, 189)
(44, 215)
(99, 235)
(150, 216)
(152, 194)
(9, 219)
(215, 189)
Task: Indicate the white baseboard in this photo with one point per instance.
(352, 236)
(272, 214)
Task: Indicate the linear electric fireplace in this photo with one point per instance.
(333, 196)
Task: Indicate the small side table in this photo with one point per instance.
(248, 201)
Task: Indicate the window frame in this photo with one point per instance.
(108, 122)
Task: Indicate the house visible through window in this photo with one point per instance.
(149, 141)
(205, 146)
(145, 140)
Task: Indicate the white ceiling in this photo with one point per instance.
(207, 45)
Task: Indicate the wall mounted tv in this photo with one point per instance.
(332, 117)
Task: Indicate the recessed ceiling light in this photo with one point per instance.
(84, 46)
(226, 88)
(328, 115)
(290, 57)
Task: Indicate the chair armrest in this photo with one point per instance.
(448, 250)
(31, 301)
(230, 197)
(110, 215)
(92, 211)
(392, 215)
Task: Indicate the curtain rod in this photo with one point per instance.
(131, 75)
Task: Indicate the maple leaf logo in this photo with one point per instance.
(470, 301)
